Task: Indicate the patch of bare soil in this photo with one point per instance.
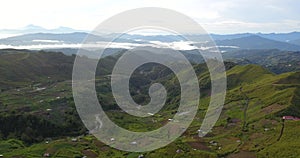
(98, 143)
(242, 154)
(89, 153)
(199, 146)
(272, 108)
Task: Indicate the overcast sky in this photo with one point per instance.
(216, 16)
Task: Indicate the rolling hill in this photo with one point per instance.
(297, 41)
(274, 60)
(20, 67)
(257, 42)
(250, 123)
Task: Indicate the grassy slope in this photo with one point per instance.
(20, 68)
(271, 96)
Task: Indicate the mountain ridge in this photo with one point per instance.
(257, 42)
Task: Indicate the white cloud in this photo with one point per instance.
(216, 16)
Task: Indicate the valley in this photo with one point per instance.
(38, 116)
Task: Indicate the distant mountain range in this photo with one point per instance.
(47, 38)
(35, 35)
(30, 29)
(257, 42)
(283, 37)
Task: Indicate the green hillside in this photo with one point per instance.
(18, 68)
(276, 61)
(38, 116)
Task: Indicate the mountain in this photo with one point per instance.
(229, 36)
(257, 42)
(283, 37)
(88, 53)
(21, 67)
(46, 38)
(297, 42)
(56, 39)
(276, 61)
(64, 37)
(31, 29)
(147, 38)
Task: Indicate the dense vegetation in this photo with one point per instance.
(38, 116)
(274, 60)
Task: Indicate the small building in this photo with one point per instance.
(290, 118)
(133, 143)
(214, 143)
(74, 139)
(178, 151)
(40, 89)
(46, 155)
(201, 132)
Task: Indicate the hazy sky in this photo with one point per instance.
(216, 16)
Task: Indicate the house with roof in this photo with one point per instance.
(290, 118)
